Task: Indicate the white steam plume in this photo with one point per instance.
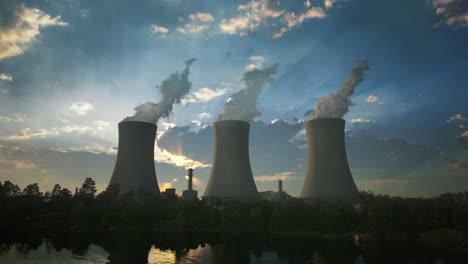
(172, 90)
(337, 104)
(243, 104)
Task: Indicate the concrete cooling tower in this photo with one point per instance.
(231, 176)
(134, 168)
(328, 174)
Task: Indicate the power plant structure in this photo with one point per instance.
(134, 168)
(190, 194)
(231, 175)
(328, 174)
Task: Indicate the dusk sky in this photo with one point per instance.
(71, 70)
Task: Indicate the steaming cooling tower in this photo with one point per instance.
(231, 175)
(134, 168)
(328, 174)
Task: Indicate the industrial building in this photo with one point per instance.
(328, 174)
(190, 194)
(231, 176)
(134, 168)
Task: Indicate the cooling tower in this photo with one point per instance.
(134, 168)
(328, 174)
(231, 175)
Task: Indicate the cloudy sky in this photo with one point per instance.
(70, 70)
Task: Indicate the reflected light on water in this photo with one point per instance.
(198, 255)
(161, 256)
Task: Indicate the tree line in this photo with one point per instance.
(380, 215)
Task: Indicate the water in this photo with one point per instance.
(235, 251)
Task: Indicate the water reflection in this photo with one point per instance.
(269, 250)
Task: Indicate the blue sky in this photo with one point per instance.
(71, 70)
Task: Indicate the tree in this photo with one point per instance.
(32, 190)
(10, 189)
(56, 190)
(88, 189)
(65, 194)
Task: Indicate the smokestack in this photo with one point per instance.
(280, 186)
(134, 168)
(328, 174)
(231, 175)
(190, 179)
(190, 194)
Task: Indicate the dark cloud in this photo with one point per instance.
(459, 167)
(279, 147)
(453, 12)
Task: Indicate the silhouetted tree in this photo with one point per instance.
(88, 189)
(32, 190)
(56, 190)
(65, 194)
(10, 189)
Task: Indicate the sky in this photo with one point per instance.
(71, 70)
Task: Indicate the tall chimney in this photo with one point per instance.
(231, 175)
(134, 168)
(190, 179)
(280, 186)
(328, 174)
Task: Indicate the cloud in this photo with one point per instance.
(253, 14)
(166, 185)
(178, 159)
(81, 108)
(372, 99)
(95, 149)
(202, 95)
(457, 118)
(362, 120)
(29, 133)
(6, 77)
(279, 147)
(459, 167)
(329, 3)
(452, 12)
(265, 13)
(192, 28)
(284, 176)
(460, 120)
(202, 17)
(16, 117)
(256, 62)
(199, 22)
(21, 27)
(17, 164)
(204, 115)
(102, 125)
(291, 20)
(158, 29)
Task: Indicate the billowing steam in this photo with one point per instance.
(337, 104)
(243, 104)
(172, 90)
